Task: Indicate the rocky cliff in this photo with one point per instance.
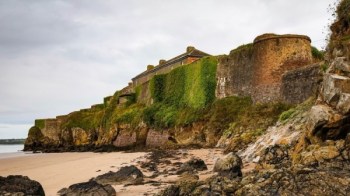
(211, 99)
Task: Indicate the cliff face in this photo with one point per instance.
(193, 104)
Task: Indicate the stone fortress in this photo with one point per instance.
(274, 68)
(260, 69)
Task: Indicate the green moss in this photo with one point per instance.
(40, 123)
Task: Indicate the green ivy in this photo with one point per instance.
(190, 85)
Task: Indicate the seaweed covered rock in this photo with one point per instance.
(20, 185)
(192, 165)
(89, 188)
(229, 166)
(126, 175)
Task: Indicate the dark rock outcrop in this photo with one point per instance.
(193, 165)
(89, 188)
(126, 175)
(20, 185)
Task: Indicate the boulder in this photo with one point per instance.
(20, 185)
(89, 188)
(126, 175)
(343, 105)
(192, 165)
(333, 86)
(229, 166)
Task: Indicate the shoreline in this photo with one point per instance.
(55, 171)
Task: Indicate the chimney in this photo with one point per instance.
(149, 67)
(162, 62)
(190, 49)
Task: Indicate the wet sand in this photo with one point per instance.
(58, 170)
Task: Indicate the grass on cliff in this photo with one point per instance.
(317, 54)
(89, 119)
(252, 122)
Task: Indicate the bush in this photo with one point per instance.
(316, 54)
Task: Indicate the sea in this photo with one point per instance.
(11, 148)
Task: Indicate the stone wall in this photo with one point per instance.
(144, 94)
(299, 84)
(162, 69)
(51, 128)
(256, 69)
(235, 73)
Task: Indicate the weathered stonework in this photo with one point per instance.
(300, 84)
(191, 55)
(256, 69)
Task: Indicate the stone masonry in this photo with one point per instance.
(256, 69)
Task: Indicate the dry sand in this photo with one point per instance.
(58, 170)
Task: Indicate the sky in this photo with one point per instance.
(59, 56)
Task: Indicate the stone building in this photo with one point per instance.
(191, 55)
(257, 69)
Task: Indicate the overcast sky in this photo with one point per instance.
(57, 56)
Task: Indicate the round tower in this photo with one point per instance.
(273, 56)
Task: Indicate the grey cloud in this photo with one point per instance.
(58, 56)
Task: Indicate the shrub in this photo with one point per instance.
(316, 54)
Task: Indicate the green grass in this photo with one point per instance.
(317, 54)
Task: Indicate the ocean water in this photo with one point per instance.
(11, 148)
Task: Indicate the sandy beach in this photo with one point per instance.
(58, 170)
